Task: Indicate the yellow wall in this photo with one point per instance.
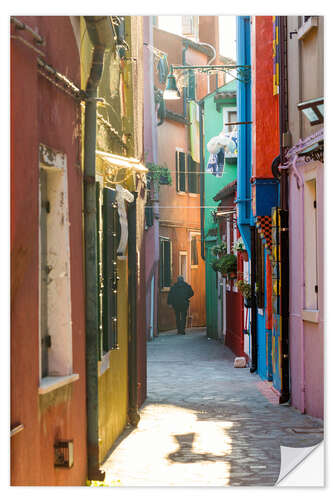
(113, 383)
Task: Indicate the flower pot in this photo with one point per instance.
(232, 275)
(245, 255)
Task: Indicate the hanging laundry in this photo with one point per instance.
(212, 164)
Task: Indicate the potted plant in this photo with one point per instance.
(228, 264)
(219, 250)
(245, 289)
(239, 246)
(159, 173)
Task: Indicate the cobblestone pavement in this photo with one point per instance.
(205, 423)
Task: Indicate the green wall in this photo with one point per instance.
(213, 125)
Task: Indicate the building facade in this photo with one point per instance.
(219, 169)
(48, 373)
(179, 213)
(305, 161)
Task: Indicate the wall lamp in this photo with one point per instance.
(243, 74)
(313, 110)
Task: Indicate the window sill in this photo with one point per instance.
(182, 193)
(310, 315)
(165, 289)
(104, 364)
(49, 384)
(194, 195)
(307, 27)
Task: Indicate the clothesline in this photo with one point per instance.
(177, 207)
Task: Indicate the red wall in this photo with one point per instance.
(234, 300)
(266, 105)
(41, 113)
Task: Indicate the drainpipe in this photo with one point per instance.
(202, 183)
(284, 215)
(94, 25)
(244, 134)
(254, 350)
(133, 413)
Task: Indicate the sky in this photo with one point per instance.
(227, 28)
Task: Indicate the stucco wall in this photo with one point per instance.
(41, 113)
(306, 338)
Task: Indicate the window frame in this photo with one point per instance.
(177, 170)
(164, 239)
(194, 235)
(58, 369)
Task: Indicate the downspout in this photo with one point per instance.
(254, 349)
(284, 215)
(133, 413)
(202, 183)
(243, 200)
(90, 239)
(244, 166)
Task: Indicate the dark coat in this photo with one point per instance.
(179, 295)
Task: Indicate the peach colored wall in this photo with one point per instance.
(172, 135)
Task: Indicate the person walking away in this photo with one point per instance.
(179, 298)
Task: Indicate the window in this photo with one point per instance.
(54, 266)
(149, 214)
(194, 251)
(310, 246)
(308, 23)
(183, 264)
(165, 263)
(229, 116)
(193, 175)
(180, 171)
(108, 278)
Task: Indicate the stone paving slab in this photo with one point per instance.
(205, 423)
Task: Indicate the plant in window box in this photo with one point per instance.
(245, 289)
(159, 173)
(226, 265)
(219, 250)
(239, 246)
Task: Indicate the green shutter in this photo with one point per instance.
(182, 171)
(177, 171)
(167, 263)
(110, 226)
(100, 279)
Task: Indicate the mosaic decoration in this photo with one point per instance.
(264, 226)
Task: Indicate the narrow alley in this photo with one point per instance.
(204, 422)
(166, 174)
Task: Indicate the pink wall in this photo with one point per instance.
(41, 113)
(306, 338)
(150, 151)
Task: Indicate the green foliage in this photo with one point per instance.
(239, 245)
(159, 173)
(226, 264)
(244, 288)
(219, 250)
